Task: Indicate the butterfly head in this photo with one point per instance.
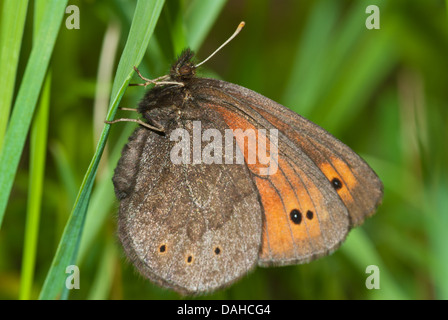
(184, 68)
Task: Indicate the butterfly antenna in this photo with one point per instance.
(240, 26)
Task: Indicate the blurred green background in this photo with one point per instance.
(383, 92)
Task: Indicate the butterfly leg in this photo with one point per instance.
(153, 122)
(128, 109)
(148, 81)
(146, 125)
(156, 81)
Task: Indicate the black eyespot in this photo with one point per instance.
(296, 216)
(217, 250)
(189, 259)
(337, 184)
(309, 214)
(162, 248)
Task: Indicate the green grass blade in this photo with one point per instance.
(65, 172)
(27, 98)
(143, 24)
(135, 49)
(199, 19)
(305, 83)
(374, 62)
(175, 24)
(38, 149)
(37, 168)
(362, 253)
(104, 276)
(437, 222)
(12, 23)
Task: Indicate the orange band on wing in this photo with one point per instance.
(331, 168)
(277, 238)
(283, 195)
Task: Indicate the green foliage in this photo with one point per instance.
(382, 92)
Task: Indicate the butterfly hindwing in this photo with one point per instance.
(174, 218)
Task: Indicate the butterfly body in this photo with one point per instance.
(197, 227)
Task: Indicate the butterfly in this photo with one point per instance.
(198, 226)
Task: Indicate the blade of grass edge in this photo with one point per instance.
(146, 14)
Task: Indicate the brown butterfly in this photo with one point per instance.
(196, 227)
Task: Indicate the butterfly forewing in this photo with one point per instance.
(321, 187)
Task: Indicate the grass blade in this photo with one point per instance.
(304, 86)
(11, 26)
(104, 276)
(38, 147)
(27, 98)
(362, 253)
(146, 14)
(37, 168)
(199, 20)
